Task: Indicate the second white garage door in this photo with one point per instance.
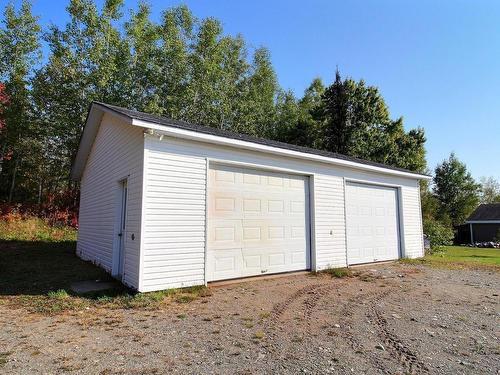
(372, 223)
(258, 223)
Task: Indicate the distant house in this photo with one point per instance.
(484, 223)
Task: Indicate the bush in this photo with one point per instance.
(438, 234)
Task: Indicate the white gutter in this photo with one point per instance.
(210, 138)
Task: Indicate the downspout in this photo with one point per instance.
(471, 234)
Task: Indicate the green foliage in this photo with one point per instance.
(19, 52)
(438, 234)
(455, 190)
(490, 190)
(356, 122)
(180, 67)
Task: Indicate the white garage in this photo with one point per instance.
(166, 204)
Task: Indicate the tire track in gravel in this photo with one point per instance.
(280, 308)
(277, 320)
(314, 297)
(405, 356)
(352, 305)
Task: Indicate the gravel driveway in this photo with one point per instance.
(390, 319)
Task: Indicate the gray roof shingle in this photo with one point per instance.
(486, 212)
(243, 137)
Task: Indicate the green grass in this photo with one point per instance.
(458, 257)
(37, 276)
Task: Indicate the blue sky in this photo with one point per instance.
(437, 63)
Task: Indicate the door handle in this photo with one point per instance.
(120, 234)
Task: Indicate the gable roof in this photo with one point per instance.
(486, 212)
(147, 120)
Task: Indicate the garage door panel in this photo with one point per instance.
(371, 223)
(260, 218)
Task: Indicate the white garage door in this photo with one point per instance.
(258, 223)
(372, 223)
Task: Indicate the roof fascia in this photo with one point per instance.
(94, 118)
(210, 138)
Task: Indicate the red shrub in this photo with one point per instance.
(59, 210)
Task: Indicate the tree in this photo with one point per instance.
(456, 190)
(356, 122)
(5, 153)
(259, 102)
(86, 59)
(180, 67)
(19, 52)
(307, 129)
(490, 190)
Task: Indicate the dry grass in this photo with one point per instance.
(34, 229)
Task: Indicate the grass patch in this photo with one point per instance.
(259, 335)
(4, 357)
(460, 257)
(338, 272)
(37, 276)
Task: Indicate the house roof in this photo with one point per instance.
(142, 118)
(486, 212)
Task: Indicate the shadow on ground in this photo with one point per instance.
(34, 268)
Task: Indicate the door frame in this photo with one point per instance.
(309, 189)
(399, 216)
(120, 226)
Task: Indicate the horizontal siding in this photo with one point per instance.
(175, 192)
(329, 221)
(174, 220)
(412, 219)
(117, 152)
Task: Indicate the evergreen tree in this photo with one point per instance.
(355, 121)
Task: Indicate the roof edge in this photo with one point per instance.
(175, 131)
(90, 129)
(185, 130)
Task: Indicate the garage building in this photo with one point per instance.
(169, 204)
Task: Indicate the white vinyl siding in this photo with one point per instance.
(329, 220)
(412, 219)
(175, 193)
(173, 249)
(117, 153)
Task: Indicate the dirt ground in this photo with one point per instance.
(391, 319)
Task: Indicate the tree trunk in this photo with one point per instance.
(13, 183)
(39, 200)
(2, 153)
